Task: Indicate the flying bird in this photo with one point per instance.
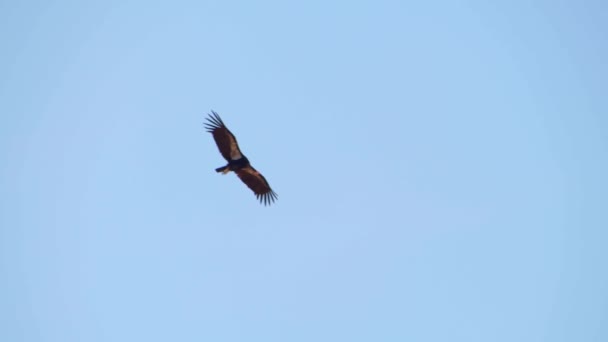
(237, 162)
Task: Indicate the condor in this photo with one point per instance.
(237, 162)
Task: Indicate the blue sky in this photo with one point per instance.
(441, 170)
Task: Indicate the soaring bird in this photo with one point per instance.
(237, 162)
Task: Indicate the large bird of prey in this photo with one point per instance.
(237, 162)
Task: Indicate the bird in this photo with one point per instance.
(237, 162)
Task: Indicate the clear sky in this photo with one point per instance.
(441, 170)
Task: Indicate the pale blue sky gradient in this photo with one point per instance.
(441, 170)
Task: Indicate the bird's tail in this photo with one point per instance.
(223, 169)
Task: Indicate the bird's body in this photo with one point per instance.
(234, 165)
(237, 162)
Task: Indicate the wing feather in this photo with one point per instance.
(258, 184)
(224, 139)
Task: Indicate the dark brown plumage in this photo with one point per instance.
(237, 162)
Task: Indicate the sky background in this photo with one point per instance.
(441, 170)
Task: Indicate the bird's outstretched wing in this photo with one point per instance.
(224, 139)
(256, 182)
